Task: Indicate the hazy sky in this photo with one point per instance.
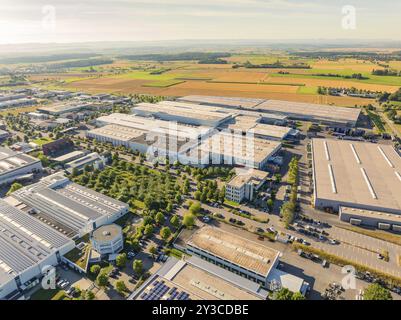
(131, 20)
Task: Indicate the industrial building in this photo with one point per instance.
(157, 138)
(356, 174)
(324, 114)
(71, 156)
(107, 239)
(27, 248)
(244, 185)
(14, 165)
(197, 279)
(248, 259)
(4, 134)
(375, 219)
(92, 159)
(232, 102)
(17, 103)
(68, 207)
(245, 123)
(65, 107)
(234, 149)
(183, 113)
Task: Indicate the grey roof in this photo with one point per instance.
(11, 160)
(24, 241)
(66, 202)
(228, 276)
(82, 162)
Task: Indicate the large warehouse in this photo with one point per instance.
(13, 165)
(325, 114)
(246, 258)
(68, 207)
(183, 113)
(232, 102)
(156, 138)
(356, 174)
(27, 248)
(197, 279)
(234, 149)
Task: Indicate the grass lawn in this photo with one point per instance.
(231, 203)
(51, 294)
(79, 257)
(41, 141)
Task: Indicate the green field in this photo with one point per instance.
(307, 90)
(41, 141)
(381, 80)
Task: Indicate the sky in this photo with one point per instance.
(63, 21)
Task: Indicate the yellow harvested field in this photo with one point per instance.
(346, 64)
(332, 83)
(280, 92)
(254, 88)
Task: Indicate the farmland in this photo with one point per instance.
(178, 78)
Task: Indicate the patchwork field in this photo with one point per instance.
(189, 77)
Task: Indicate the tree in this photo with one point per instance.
(148, 230)
(285, 294)
(121, 287)
(14, 187)
(89, 295)
(121, 260)
(376, 292)
(270, 204)
(298, 296)
(153, 251)
(102, 279)
(188, 220)
(95, 269)
(195, 208)
(175, 221)
(159, 218)
(137, 265)
(165, 233)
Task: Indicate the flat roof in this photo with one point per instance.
(357, 173)
(379, 215)
(181, 110)
(106, 233)
(118, 132)
(149, 124)
(63, 107)
(69, 156)
(11, 160)
(89, 158)
(24, 241)
(240, 251)
(196, 279)
(239, 146)
(315, 111)
(68, 203)
(251, 176)
(236, 102)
